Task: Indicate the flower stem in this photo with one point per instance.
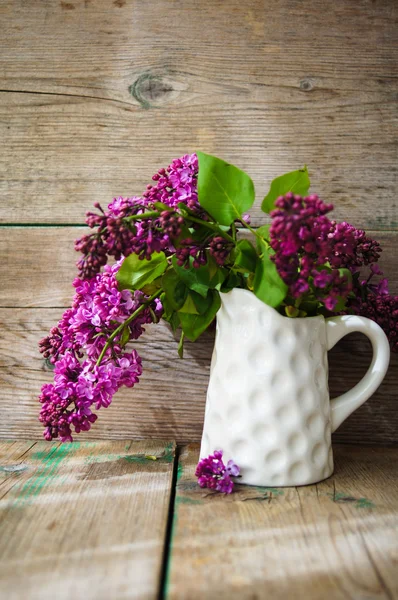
(146, 215)
(211, 226)
(126, 322)
(254, 232)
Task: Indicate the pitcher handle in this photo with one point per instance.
(338, 327)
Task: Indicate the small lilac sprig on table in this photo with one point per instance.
(177, 247)
(212, 473)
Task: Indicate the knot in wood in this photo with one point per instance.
(307, 84)
(150, 90)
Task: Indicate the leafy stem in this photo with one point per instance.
(140, 216)
(253, 231)
(211, 226)
(126, 322)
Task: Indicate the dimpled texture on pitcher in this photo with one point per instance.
(268, 403)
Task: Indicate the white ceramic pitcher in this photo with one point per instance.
(268, 405)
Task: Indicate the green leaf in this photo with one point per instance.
(167, 308)
(347, 274)
(160, 206)
(185, 210)
(246, 257)
(267, 284)
(202, 304)
(292, 311)
(262, 231)
(218, 278)
(169, 315)
(341, 304)
(224, 191)
(189, 306)
(232, 281)
(135, 273)
(174, 321)
(175, 289)
(181, 345)
(297, 182)
(194, 325)
(196, 279)
(125, 337)
(151, 288)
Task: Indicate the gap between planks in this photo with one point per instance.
(89, 518)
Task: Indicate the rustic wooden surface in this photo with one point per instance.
(95, 95)
(85, 520)
(108, 520)
(334, 540)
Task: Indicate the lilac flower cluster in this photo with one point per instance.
(372, 300)
(350, 247)
(177, 183)
(300, 236)
(220, 249)
(132, 225)
(189, 248)
(310, 249)
(212, 473)
(97, 315)
(113, 236)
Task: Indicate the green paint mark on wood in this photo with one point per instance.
(364, 503)
(169, 453)
(272, 490)
(187, 500)
(141, 459)
(166, 457)
(50, 462)
(180, 471)
(342, 498)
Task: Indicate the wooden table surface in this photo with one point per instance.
(95, 96)
(120, 519)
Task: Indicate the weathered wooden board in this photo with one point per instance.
(83, 520)
(169, 400)
(96, 95)
(38, 264)
(334, 540)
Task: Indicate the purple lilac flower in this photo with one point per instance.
(213, 474)
(113, 236)
(220, 249)
(300, 235)
(190, 248)
(177, 183)
(372, 300)
(350, 247)
(75, 345)
(116, 235)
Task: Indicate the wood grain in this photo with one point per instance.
(83, 520)
(334, 540)
(38, 264)
(96, 95)
(169, 401)
(125, 86)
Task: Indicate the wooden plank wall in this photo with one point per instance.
(96, 95)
